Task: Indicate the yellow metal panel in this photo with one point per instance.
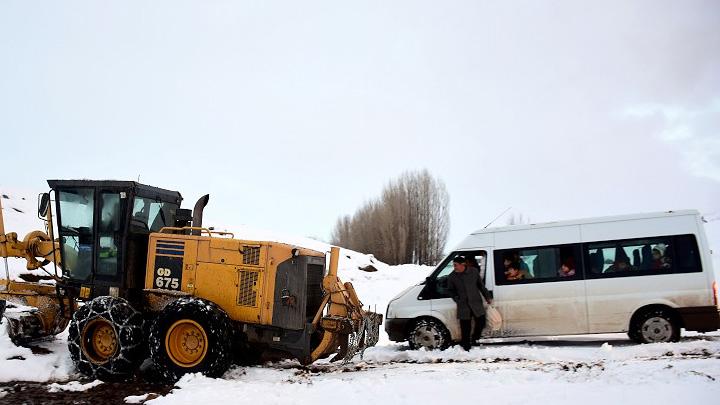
(190, 266)
(271, 264)
(220, 283)
(203, 250)
(237, 275)
(189, 258)
(226, 251)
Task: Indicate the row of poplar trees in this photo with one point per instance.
(408, 223)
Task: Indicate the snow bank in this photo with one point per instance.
(632, 377)
(52, 363)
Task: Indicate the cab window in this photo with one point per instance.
(440, 286)
(76, 231)
(150, 215)
(110, 234)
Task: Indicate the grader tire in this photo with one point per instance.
(191, 336)
(106, 338)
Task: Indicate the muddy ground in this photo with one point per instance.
(31, 393)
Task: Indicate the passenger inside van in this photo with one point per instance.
(521, 266)
(659, 260)
(621, 263)
(514, 273)
(567, 269)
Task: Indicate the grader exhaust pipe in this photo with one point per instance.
(198, 213)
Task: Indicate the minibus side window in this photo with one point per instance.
(537, 264)
(687, 256)
(639, 257)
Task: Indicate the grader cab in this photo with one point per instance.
(133, 271)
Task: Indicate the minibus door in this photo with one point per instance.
(544, 304)
(442, 305)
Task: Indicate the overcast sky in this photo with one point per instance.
(292, 113)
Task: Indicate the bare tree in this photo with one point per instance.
(341, 233)
(408, 223)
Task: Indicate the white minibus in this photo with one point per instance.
(647, 275)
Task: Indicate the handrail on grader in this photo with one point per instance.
(209, 232)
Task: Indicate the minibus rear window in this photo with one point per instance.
(638, 257)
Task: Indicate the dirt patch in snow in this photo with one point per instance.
(107, 393)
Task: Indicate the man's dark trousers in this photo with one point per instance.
(466, 325)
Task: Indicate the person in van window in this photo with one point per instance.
(621, 263)
(567, 269)
(524, 269)
(520, 265)
(467, 290)
(513, 273)
(660, 261)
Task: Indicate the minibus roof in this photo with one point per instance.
(586, 221)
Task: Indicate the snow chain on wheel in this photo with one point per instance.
(191, 335)
(430, 334)
(106, 338)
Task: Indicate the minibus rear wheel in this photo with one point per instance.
(655, 325)
(430, 334)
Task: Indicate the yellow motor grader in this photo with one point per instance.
(135, 274)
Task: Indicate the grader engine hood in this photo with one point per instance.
(282, 294)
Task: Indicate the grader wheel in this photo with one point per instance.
(191, 335)
(99, 342)
(105, 338)
(186, 343)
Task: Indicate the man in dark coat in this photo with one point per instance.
(466, 287)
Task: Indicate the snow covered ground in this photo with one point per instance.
(589, 369)
(598, 373)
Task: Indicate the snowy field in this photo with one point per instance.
(561, 370)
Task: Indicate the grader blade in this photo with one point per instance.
(348, 329)
(342, 353)
(33, 311)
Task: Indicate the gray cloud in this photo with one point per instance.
(695, 132)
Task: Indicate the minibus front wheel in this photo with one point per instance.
(655, 325)
(428, 333)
